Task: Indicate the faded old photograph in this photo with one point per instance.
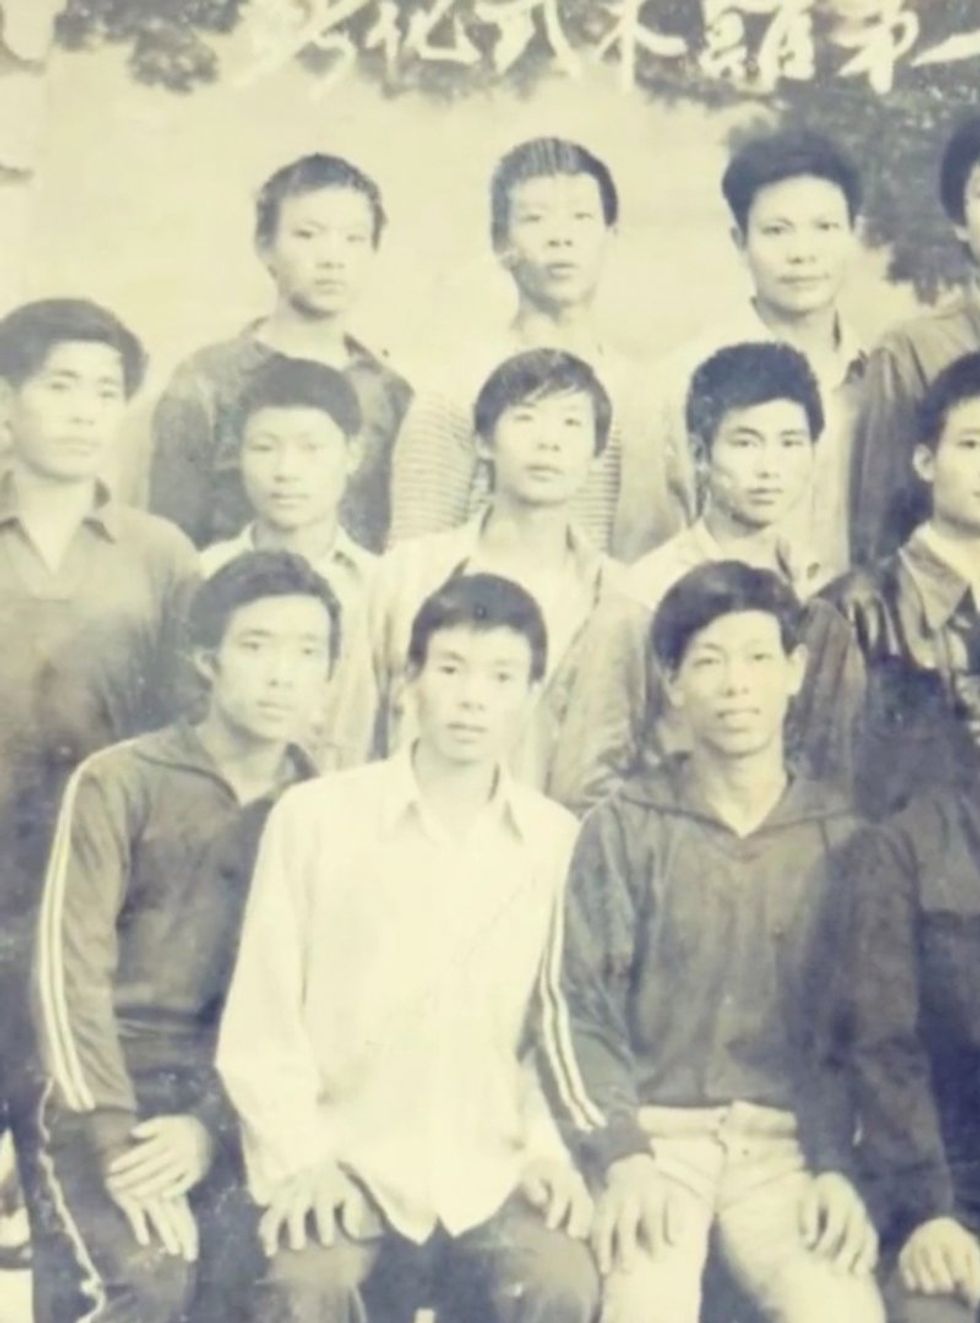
(489, 661)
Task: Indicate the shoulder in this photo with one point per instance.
(218, 554)
(949, 322)
(315, 805)
(157, 535)
(650, 578)
(123, 770)
(375, 362)
(218, 357)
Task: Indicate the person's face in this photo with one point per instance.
(952, 470)
(322, 250)
(969, 231)
(268, 673)
(735, 682)
(761, 462)
(797, 244)
(544, 448)
(295, 465)
(473, 693)
(64, 418)
(557, 238)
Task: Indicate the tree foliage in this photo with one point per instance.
(894, 129)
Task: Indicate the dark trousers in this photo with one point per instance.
(511, 1269)
(122, 1281)
(904, 1307)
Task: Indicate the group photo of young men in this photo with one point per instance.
(506, 851)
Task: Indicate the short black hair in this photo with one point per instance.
(720, 588)
(480, 602)
(774, 157)
(958, 382)
(534, 375)
(961, 154)
(250, 577)
(30, 332)
(537, 158)
(296, 383)
(308, 175)
(740, 376)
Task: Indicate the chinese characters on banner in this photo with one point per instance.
(753, 46)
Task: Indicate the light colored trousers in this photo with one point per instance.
(738, 1171)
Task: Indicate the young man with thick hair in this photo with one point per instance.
(795, 200)
(887, 505)
(318, 223)
(754, 422)
(915, 614)
(145, 888)
(377, 1029)
(542, 419)
(553, 214)
(707, 885)
(91, 600)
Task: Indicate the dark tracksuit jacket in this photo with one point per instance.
(691, 964)
(912, 989)
(148, 876)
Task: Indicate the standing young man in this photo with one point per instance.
(795, 200)
(92, 596)
(755, 422)
(554, 209)
(915, 613)
(542, 419)
(375, 1033)
(886, 503)
(318, 223)
(147, 881)
(679, 1000)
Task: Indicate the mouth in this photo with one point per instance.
(277, 711)
(561, 270)
(465, 731)
(765, 495)
(544, 471)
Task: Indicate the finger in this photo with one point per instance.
(185, 1226)
(934, 1273)
(867, 1260)
(270, 1228)
(832, 1232)
(146, 1150)
(674, 1221)
(602, 1237)
(653, 1225)
(162, 1224)
(165, 1184)
(151, 1168)
(296, 1223)
(147, 1129)
(580, 1216)
(810, 1217)
(136, 1218)
(558, 1207)
(536, 1192)
(626, 1234)
(909, 1271)
(851, 1241)
(971, 1275)
(325, 1217)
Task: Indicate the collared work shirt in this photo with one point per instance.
(89, 656)
(195, 478)
(887, 502)
(438, 480)
(378, 1014)
(373, 716)
(820, 521)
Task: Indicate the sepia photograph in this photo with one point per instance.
(489, 661)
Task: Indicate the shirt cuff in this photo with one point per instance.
(623, 1138)
(109, 1131)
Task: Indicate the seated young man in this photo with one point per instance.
(91, 599)
(374, 1036)
(909, 357)
(678, 1008)
(795, 199)
(143, 899)
(915, 613)
(298, 425)
(318, 223)
(755, 421)
(553, 214)
(912, 987)
(542, 419)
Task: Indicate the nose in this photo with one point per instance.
(735, 676)
(280, 669)
(329, 250)
(287, 463)
(473, 694)
(85, 406)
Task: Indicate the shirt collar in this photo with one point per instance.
(849, 358)
(403, 795)
(590, 564)
(941, 586)
(103, 515)
(345, 551)
(357, 352)
(799, 565)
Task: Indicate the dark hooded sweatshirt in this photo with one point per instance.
(149, 873)
(690, 968)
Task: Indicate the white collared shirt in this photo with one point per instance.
(378, 1012)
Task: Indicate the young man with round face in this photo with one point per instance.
(143, 898)
(542, 420)
(704, 885)
(384, 996)
(887, 504)
(795, 199)
(554, 209)
(318, 224)
(915, 612)
(755, 421)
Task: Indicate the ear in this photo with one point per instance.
(962, 233)
(738, 238)
(924, 463)
(797, 659)
(6, 408)
(671, 686)
(205, 663)
(355, 452)
(506, 257)
(484, 448)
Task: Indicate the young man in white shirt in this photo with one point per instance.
(376, 1033)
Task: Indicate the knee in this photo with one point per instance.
(157, 1286)
(663, 1290)
(906, 1307)
(813, 1298)
(559, 1282)
(324, 1279)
